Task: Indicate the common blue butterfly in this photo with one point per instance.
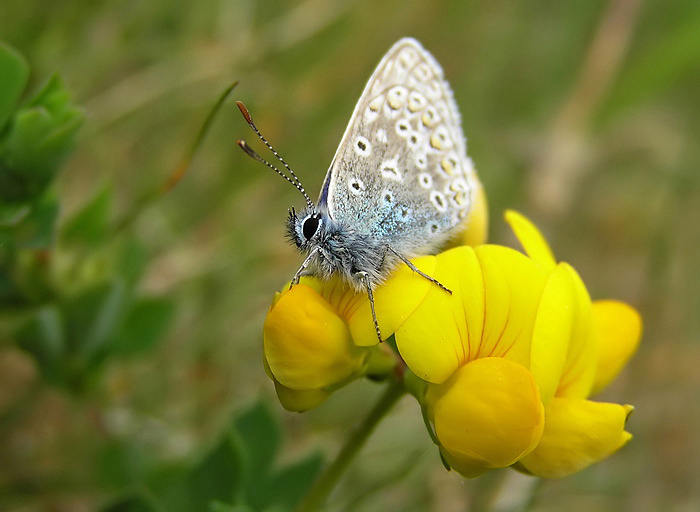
(400, 184)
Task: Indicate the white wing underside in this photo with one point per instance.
(401, 172)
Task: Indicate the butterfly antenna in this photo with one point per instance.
(251, 153)
(294, 180)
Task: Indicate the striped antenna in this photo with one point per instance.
(294, 180)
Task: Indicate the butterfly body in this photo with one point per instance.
(337, 248)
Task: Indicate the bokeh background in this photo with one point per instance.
(582, 115)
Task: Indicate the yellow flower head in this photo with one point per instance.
(554, 348)
(507, 362)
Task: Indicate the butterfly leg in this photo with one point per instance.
(368, 284)
(419, 271)
(300, 272)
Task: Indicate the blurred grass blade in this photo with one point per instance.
(176, 176)
(665, 63)
(89, 225)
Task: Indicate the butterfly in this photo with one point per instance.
(400, 184)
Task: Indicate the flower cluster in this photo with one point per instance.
(503, 368)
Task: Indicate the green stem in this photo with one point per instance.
(329, 478)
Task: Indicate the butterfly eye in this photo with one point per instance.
(310, 226)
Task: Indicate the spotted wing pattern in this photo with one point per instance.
(401, 172)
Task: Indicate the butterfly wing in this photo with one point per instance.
(401, 172)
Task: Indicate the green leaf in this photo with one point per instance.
(216, 478)
(13, 213)
(259, 435)
(123, 462)
(43, 336)
(92, 319)
(29, 128)
(89, 226)
(289, 485)
(144, 324)
(14, 71)
(235, 476)
(36, 229)
(132, 260)
(40, 137)
(133, 503)
(217, 506)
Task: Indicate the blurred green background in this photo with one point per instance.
(582, 115)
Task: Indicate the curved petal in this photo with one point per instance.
(619, 329)
(531, 239)
(487, 415)
(513, 285)
(307, 345)
(552, 333)
(394, 302)
(495, 293)
(435, 340)
(300, 400)
(582, 357)
(577, 433)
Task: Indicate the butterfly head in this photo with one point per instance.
(306, 230)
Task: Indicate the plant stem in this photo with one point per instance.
(329, 478)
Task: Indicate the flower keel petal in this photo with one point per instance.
(487, 415)
(577, 433)
(307, 345)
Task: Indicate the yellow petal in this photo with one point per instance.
(531, 239)
(491, 312)
(300, 400)
(394, 302)
(552, 334)
(477, 222)
(307, 345)
(582, 357)
(619, 329)
(487, 415)
(435, 340)
(577, 433)
(513, 285)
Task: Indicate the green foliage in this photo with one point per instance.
(71, 329)
(73, 337)
(38, 139)
(239, 474)
(89, 227)
(35, 139)
(14, 71)
(75, 319)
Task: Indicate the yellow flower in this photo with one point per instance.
(319, 335)
(603, 336)
(503, 367)
(541, 346)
